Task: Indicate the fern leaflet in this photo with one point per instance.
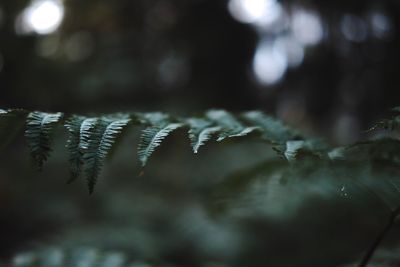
(300, 149)
(231, 127)
(200, 132)
(78, 128)
(273, 130)
(152, 136)
(39, 129)
(388, 124)
(101, 137)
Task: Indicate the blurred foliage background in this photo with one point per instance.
(329, 68)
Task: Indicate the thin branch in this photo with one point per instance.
(370, 252)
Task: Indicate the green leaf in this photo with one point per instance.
(300, 149)
(71, 257)
(200, 132)
(79, 129)
(338, 153)
(231, 127)
(383, 150)
(232, 186)
(388, 124)
(39, 129)
(98, 139)
(152, 137)
(273, 130)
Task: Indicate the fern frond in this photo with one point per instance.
(237, 182)
(273, 130)
(77, 126)
(100, 140)
(200, 132)
(152, 137)
(231, 127)
(90, 138)
(387, 124)
(337, 153)
(87, 130)
(384, 150)
(391, 124)
(300, 149)
(39, 129)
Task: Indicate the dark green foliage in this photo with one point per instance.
(160, 127)
(75, 126)
(90, 141)
(303, 149)
(39, 129)
(231, 127)
(305, 171)
(76, 257)
(389, 124)
(282, 187)
(237, 183)
(381, 149)
(273, 130)
(101, 140)
(200, 132)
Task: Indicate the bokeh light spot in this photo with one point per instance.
(292, 48)
(381, 25)
(307, 26)
(269, 63)
(250, 11)
(354, 28)
(41, 17)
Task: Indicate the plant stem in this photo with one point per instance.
(370, 252)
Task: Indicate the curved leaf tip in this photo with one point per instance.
(152, 138)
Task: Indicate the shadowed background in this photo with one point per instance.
(326, 67)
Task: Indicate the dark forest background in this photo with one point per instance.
(194, 55)
(329, 68)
